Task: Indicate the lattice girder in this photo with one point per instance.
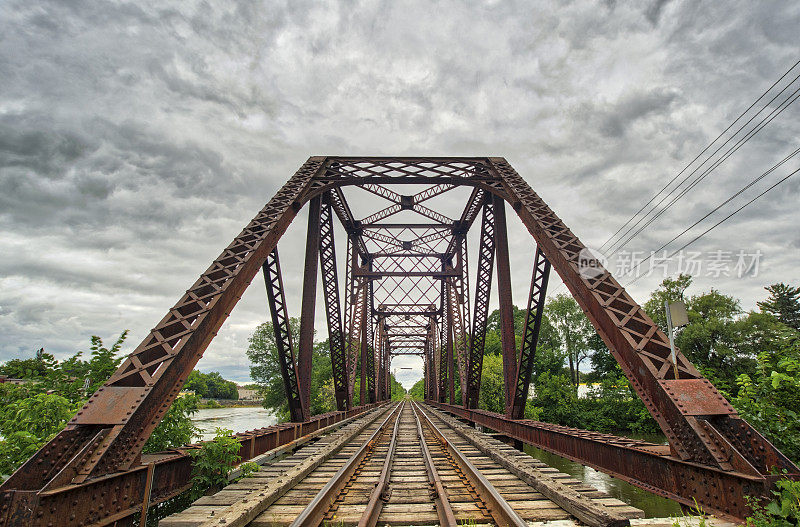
(109, 432)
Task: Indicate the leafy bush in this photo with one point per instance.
(176, 429)
(214, 461)
(783, 511)
(769, 399)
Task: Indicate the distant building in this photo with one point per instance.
(247, 394)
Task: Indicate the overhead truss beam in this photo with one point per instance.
(418, 272)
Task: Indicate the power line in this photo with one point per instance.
(791, 98)
(723, 220)
(705, 149)
(760, 126)
(715, 209)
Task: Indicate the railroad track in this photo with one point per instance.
(378, 452)
(405, 464)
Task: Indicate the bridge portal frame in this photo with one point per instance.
(105, 439)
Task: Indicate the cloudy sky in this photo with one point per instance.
(137, 138)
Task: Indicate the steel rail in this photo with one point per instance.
(440, 501)
(377, 497)
(498, 507)
(315, 511)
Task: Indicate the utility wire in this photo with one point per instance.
(760, 126)
(715, 209)
(702, 152)
(723, 220)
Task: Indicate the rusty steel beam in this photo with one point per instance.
(382, 351)
(646, 465)
(507, 337)
(283, 336)
(700, 424)
(530, 333)
(382, 274)
(305, 347)
(362, 362)
(112, 427)
(370, 339)
(713, 453)
(354, 336)
(483, 287)
(333, 313)
(444, 351)
(451, 393)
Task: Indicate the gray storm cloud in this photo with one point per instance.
(137, 138)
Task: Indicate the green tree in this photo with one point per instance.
(418, 390)
(574, 331)
(769, 397)
(104, 361)
(397, 390)
(492, 395)
(265, 371)
(219, 388)
(196, 382)
(27, 422)
(671, 290)
(557, 399)
(41, 415)
(33, 368)
(783, 303)
(715, 340)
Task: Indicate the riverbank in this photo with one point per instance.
(206, 404)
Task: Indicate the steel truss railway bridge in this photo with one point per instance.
(406, 291)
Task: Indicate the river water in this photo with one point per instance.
(243, 419)
(236, 419)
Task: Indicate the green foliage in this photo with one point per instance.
(492, 396)
(782, 511)
(783, 303)
(33, 413)
(265, 371)
(557, 399)
(104, 361)
(247, 468)
(671, 290)
(176, 429)
(41, 415)
(397, 390)
(769, 397)
(214, 461)
(574, 333)
(614, 406)
(28, 421)
(35, 368)
(211, 386)
(418, 390)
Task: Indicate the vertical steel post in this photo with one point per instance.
(507, 338)
(530, 335)
(441, 351)
(306, 340)
(370, 332)
(387, 377)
